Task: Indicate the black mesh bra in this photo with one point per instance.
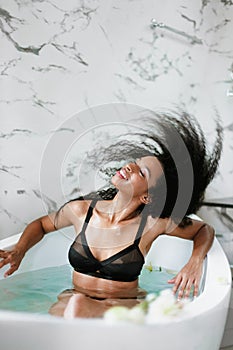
(123, 266)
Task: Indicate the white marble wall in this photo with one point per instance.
(58, 58)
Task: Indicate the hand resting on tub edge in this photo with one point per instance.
(116, 226)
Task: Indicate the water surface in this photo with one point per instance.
(36, 291)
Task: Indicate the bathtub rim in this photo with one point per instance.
(199, 306)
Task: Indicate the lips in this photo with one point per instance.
(121, 173)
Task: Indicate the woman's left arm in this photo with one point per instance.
(202, 235)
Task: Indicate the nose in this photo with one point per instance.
(130, 167)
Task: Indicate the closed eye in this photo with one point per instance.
(140, 171)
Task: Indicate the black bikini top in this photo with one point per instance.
(123, 266)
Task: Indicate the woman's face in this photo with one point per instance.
(137, 177)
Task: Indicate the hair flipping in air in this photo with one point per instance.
(158, 137)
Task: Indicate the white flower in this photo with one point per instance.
(136, 315)
(121, 313)
(116, 314)
(150, 297)
(164, 308)
(155, 309)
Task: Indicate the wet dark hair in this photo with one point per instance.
(178, 142)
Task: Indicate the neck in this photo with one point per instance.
(121, 208)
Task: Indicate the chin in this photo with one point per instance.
(113, 181)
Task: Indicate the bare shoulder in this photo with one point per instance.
(188, 231)
(168, 226)
(72, 213)
(78, 207)
(156, 226)
(193, 225)
(153, 229)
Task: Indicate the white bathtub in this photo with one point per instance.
(201, 329)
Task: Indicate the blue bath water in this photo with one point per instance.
(36, 291)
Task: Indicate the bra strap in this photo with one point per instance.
(89, 214)
(90, 210)
(140, 229)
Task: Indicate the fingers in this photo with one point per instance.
(184, 286)
(171, 280)
(196, 289)
(12, 269)
(7, 258)
(182, 289)
(4, 262)
(187, 289)
(3, 253)
(177, 281)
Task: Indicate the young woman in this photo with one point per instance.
(151, 195)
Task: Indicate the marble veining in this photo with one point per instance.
(59, 59)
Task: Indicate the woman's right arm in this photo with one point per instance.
(35, 231)
(32, 234)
